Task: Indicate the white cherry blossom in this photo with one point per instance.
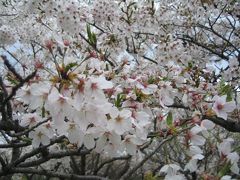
(39, 137)
(30, 119)
(195, 138)
(121, 121)
(221, 107)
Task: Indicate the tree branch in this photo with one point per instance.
(11, 68)
(53, 174)
(15, 88)
(96, 49)
(29, 129)
(110, 161)
(191, 40)
(56, 155)
(33, 153)
(232, 126)
(14, 145)
(134, 169)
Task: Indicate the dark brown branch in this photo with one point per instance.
(176, 105)
(83, 164)
(7, 15)
(29, 129)
(220, 36)
(124, 169)
(149, 59)
(96, 49)
(3, 163)
(147, 157)
(191, 40)
(11, 68)
(52, 174)
(33, 153)
(14, 57)
(14, 145)
(74, 165)
(135, 168)
(110, 161)
(232, 126)
(8, 125)
(6, 138)
(3, 94)
(15, 88)
(56, 155)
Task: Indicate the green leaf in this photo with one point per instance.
(225, 89)
(24, 177)
(190, 65)
(12, 80)
(94, 38)
(149, 176)
(26, 139)
(91, 36)
(118, 100)
(224, 170)
(43, 111)
(229, 96)
(89, 32)
(169, 119)
(151, 80)
(69, 66)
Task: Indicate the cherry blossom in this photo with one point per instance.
(130, 143)
(209, 125)
(221, 107)
(225, 150)
(171, 171)
(39, 137)
(75, 134)
(121, 121)
(30, 119)
(121, 86)
(196, 139)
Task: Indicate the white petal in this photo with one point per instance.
(229, 106)
(35, 143)
(89, 141)
(45, 140)
(143, 118)
(198, 140)
(103, 83)
(207, 124)
(164, 168)
(166, 100)
(221, 99)
(195, 150)
(222, 114)
(185, 99)
(227, 177)
(54, 95)
(101, 143)
(115, 138)
(191, 165)
(198, 156)
(235, 168)
(125, 113)
(233, 157)
(196, 129)
(225, 147)
(131, 148)
(175, 167)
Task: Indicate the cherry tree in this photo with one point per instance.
(124, 89)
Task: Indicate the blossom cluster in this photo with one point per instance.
(117, 77)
